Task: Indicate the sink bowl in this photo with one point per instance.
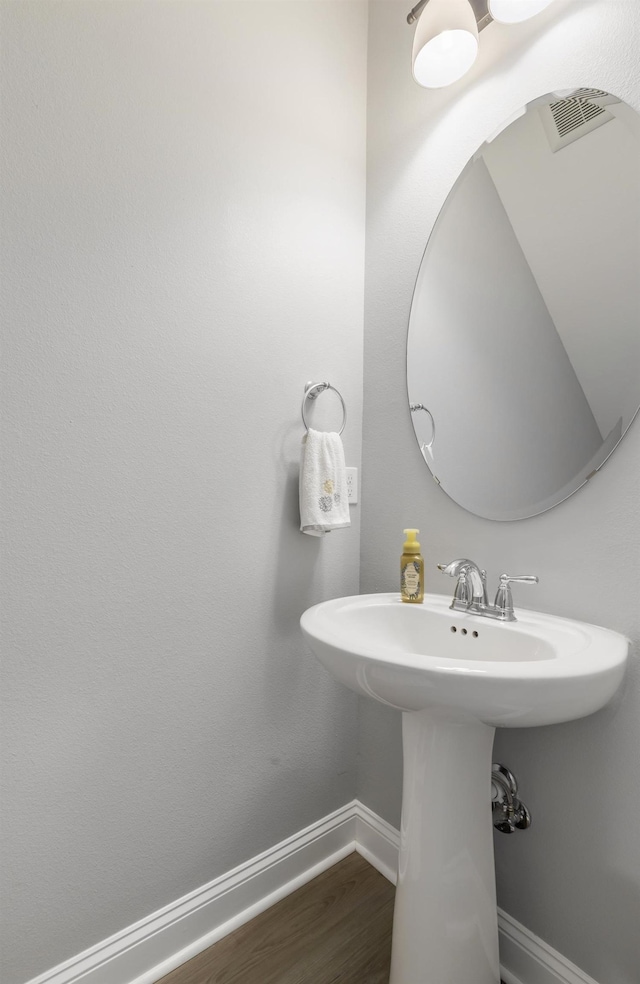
(456, 677)
(538, 670)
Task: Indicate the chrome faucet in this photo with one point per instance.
(470, 593)
(471, 588)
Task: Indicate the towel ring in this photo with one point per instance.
(428, 445)
(312, 392)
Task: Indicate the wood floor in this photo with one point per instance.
(334, 930)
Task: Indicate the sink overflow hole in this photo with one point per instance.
(464, 632)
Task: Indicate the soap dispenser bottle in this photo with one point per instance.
(411, 570)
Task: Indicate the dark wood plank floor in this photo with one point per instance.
(334, 930)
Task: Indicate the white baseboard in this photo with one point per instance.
(377, 841)
(526, 959)
(151, 948)
(146, 951)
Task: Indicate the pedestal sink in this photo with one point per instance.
(457, 677)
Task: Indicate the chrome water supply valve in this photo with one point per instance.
(509, 813)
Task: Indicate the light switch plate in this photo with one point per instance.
(352, 485)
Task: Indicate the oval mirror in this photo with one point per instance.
(523, 351)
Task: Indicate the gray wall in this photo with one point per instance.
(574, 878)
(182, 222)
(183, 247)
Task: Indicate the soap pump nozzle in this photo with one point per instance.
(411, 544)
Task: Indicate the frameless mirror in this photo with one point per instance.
(523, 351)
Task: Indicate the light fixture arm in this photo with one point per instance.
(413, 14)
(480, 8)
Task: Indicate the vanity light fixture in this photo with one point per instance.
(445, 45)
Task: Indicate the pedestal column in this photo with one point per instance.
(445, 927)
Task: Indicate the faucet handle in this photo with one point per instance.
(522, 578)
(504, 600)
(463, 593)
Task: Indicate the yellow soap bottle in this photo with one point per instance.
(412, 570)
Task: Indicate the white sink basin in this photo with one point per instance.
(538, 670)
(457, 677)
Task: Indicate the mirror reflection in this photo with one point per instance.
(523, 353)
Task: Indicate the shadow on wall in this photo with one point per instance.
(573, 780)
(619, 924)
(297, 567)
(303, 571)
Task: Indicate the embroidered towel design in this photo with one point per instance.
(323, 498)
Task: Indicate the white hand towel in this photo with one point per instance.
(323, 484)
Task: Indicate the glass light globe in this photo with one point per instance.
(445, 59)
(445, 43)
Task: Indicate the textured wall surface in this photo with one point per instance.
(574, 878)
(183, 248)
(183, 215)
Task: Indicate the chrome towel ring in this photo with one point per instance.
(312, 392)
